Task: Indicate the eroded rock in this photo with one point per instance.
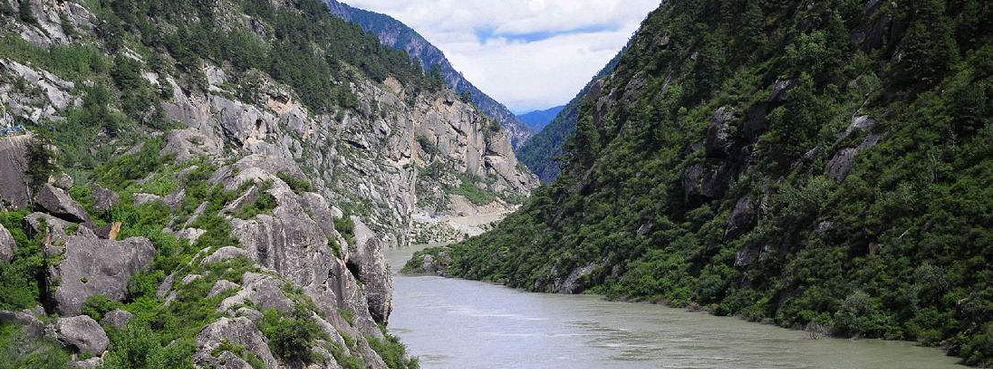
(7, 245)
(117, 318)
(234, 331)
(369, 261)
(83, 333)
(58, 203)
(90, 266)
(14, 188)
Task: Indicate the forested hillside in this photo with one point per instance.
(824, 165)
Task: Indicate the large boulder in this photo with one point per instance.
(14, 187)
(741, 220)
(104, 199)
(719, 134)
(90, 266)
(83, 333)
(369, 261)
(58, 203)
(705, 181)
(235, 332)
(117, 318)
(7, 245)
(841, 164)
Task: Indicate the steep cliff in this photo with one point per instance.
(395, 34)
(817, 164)
(213, 184)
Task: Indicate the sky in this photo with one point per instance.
(526, 54)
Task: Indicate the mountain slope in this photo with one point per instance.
(393, 33)
(821, 165)
(537, 120)
(541, 152)
(213, 184)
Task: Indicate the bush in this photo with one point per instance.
(346, 227)
(25, 13)
(98, 305)
(20, 351)
(24, 279)
(41, 164)
(298, 186)
(290, 337)
(393, 352)
(137, 347)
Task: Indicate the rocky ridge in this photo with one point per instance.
(267, 218)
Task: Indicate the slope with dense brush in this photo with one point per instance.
(821, 165)
(213, 184)
(395, 34)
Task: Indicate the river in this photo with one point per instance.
(460, 324)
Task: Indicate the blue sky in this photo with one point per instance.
(527, 54)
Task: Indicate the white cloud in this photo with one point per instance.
(527, 54)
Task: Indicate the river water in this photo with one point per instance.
(459, 324)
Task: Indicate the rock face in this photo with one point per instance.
(58, 203)
(7, 244)
(83, 333)
(370, 263)
(13, 166)
(90, 266)
(237, 331)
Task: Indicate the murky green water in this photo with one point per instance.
(452, 323)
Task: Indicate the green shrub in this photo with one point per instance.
(21, 351)
(98, 305)
(393, 352)
(25, 13)
(264, 204)
(24, 279)
(41, 164)
(346, 227)
(137, 347)
(290, 337)
(298, 186)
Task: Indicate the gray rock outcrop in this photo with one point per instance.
(90, 266)
(117, 318)
(58, 203)
(7, 245)
(104, 199)
(369, 261)
(14, 188)
(235, 331)
(83, 333)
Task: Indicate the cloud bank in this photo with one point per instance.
(527, 54)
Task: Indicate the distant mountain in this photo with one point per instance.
(394, 33)
(538, 119)
(540, 152)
